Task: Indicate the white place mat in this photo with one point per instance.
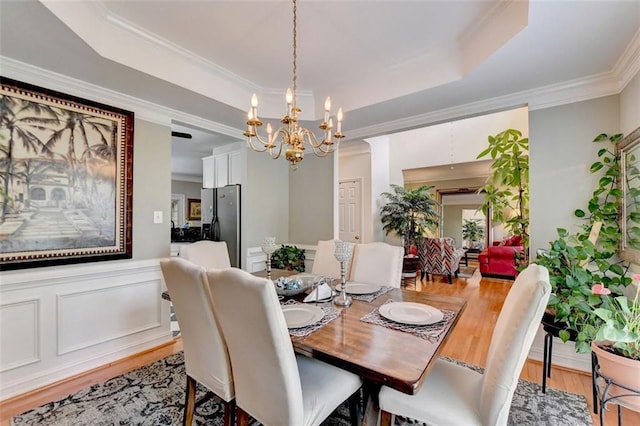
(372, 296)
(330, 313)
(431, 332)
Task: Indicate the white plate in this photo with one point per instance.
(411, 313)
(301, 315)
(359, 288)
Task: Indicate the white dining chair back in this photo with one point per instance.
(325, 263)
(511, 341)
(205, 352)
(377, 263)
(271, 385)
(208, 254)
(453, 394)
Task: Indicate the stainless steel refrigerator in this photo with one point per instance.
(221, 218)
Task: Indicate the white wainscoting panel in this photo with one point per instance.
(61, 321)
(115, 312)
(19, 330)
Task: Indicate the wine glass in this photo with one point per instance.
(268, 247)
(343, 254)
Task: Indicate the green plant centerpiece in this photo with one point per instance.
(409, 213)
(506, 193)
(577, 261)
(289, 258)
(472, 230)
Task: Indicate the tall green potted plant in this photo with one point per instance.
(409, 213)
(472, 231)
(506, 193)
(578, 261)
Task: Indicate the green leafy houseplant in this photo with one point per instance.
(409, 213)
(576, 263)
(506, 193)
(472, 230)
(289, 258)
(620, 316)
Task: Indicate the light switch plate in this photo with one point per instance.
(157, 216)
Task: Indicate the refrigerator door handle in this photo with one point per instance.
(215, 229)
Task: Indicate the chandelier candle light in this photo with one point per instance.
(343, 254)
(290, 133)
(268, 247)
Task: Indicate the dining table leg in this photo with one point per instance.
(371, 410)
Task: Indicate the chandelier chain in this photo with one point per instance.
(295, 48)
(291, 137)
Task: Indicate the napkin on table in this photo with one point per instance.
(324, 292)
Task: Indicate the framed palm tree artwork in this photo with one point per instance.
(66, 178)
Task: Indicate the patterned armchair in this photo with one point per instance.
(439, 256)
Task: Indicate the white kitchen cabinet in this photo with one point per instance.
(235, 167)
(208, 172)
(222, 169)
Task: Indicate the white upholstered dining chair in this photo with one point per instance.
(325, 263)
(208, 254)
(205, 352)
(456, 395)
(377, 263)
(273, 385)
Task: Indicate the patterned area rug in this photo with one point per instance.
(466, 271)
(154, 395)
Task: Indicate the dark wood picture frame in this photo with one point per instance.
(66, 178)
(194, 209)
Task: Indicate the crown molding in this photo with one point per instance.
(539, 98)
(106, 32)
(144, 110)
(609, 83)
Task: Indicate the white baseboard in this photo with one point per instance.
(563, 354)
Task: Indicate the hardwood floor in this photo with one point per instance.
(469, 343)
(470, 339)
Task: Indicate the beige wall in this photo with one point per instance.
(630, 106)
(311, 199)
(561, 152)
(457, 142)
(265, 200)
(151, 190)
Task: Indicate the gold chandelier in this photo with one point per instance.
(290, 133)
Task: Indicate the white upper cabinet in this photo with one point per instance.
(208, 176)
(235, 167)
(222, 169)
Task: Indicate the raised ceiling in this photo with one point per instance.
(391, 64)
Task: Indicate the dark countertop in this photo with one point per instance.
(191, 235)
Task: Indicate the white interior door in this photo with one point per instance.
(350, 210)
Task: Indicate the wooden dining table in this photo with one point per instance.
(380, 355)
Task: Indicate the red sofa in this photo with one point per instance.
(499, 260)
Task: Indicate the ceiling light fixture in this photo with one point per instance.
(291, 134)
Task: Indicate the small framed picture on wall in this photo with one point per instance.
(194, 210)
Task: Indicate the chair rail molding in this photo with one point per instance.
(58, 322)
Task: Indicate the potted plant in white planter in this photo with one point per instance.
(617, 342)
(472, 232)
